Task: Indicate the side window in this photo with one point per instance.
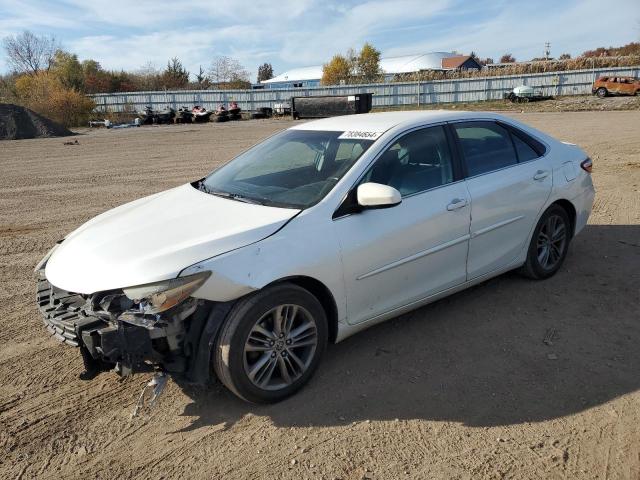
(486, 146)
(525, 151)
(527, 147)
(419, 161)
(348, 150)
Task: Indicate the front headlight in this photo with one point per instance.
(160, 296)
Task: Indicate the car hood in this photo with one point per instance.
(156, 237)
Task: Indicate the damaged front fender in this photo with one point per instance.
(111, 337)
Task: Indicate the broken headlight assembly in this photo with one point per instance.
(157, 297)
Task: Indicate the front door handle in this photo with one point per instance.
(456, 203)
(541, 175)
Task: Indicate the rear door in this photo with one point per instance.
(626, 86)
(509, 181)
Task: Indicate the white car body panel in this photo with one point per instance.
(387, 252)
(305, 248)
(155, 238)
(505, 207)
(376, 264)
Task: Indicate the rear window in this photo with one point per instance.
(534, 144)
(524, 150)
(486, 146)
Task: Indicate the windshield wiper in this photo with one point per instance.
(202, 187)
(233, 196)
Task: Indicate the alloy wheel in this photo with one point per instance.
(551, 242)
(280, 347)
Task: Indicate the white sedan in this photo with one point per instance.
(316, 233)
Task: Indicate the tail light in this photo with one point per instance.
(587, 165)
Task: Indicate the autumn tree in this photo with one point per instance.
(175, 75)
(368, 63)
(507, 58)
(265, 72)
(8, 88)
(565, 56)
(201, 79)
(147, 77)
(632, 48)
(45, 93)
(29, 53)
(68, 69)
(338, 70)
(226, 70)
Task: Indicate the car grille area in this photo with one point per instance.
(110, 338)
(62, 312)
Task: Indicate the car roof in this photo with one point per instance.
(383, 121)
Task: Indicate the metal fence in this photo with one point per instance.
(576, 82)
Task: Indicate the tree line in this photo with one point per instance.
(55, 82)
(29, 54)
(364, 66)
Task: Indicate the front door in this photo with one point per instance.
(613, 85)
(395, 256)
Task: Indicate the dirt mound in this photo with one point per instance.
(18, 122)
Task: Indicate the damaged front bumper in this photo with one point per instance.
(110, 337)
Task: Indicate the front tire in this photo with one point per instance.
(271, 343)
(601, 92)
(549, 244)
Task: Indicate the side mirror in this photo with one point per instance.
(376, 195)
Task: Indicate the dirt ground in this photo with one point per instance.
(464, 388)
(572, 103)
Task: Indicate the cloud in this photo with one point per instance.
(353, 26)
(571, 27)
(293, 33)
(16, 16)
(194, 47)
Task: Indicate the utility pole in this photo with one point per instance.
(547, 50)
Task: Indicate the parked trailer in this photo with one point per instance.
(330, 105)
(525, 93)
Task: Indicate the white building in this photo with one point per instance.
(310, 76)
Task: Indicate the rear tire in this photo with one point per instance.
(602, 92)
(549, 244)
(271, 343)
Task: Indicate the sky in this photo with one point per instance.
(127, 34)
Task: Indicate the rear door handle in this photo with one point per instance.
(456, 203)
(541, 175)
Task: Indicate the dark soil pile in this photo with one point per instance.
(18, 122)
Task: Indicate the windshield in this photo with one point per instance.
(293, 169)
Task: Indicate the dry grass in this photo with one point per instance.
(580, 63)
(574, 103)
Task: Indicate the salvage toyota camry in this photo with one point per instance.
(316, 233)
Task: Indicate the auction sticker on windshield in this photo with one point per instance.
(362, 135)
